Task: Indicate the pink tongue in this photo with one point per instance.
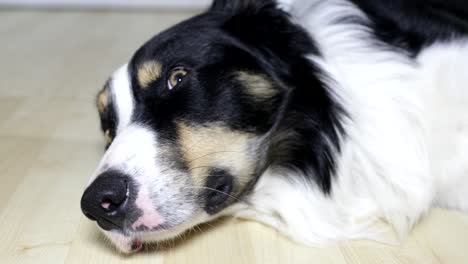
(136, 245)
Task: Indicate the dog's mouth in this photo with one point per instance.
(136, 245)
(125, 244)
(133, 241)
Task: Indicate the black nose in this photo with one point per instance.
(105, 200)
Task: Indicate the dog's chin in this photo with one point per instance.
(126, 244)
(133, 241)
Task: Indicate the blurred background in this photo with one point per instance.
(113, 4)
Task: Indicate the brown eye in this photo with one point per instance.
(177, 75)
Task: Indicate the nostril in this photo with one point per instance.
(106, 204)
(109, 205)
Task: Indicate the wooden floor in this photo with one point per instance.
(51, 66)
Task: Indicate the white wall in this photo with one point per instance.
(109, 3)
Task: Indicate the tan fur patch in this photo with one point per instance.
(148, 72)
(257, 85)
(102, 100)
(215, 145)
(107, 137)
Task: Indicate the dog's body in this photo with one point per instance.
(318, 118)
(405, 140)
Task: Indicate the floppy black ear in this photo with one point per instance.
(236, 6)
(264, 26)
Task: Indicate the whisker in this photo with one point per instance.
(200, 167)
(212, 153)
(203, 156)
(212, 189)
(208, 224)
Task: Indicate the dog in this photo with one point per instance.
(319, 118)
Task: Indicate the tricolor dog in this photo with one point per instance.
(318, 118)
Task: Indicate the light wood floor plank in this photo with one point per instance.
(42, 215)
(15, 156)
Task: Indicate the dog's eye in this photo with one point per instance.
(177, 75)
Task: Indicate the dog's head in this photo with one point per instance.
(189, 120)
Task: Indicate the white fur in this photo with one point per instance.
(122, 96)
(396, 161)
(121, 93)
(286, 4)
(446, 93)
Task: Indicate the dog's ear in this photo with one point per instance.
(262, 25)
(239, 6)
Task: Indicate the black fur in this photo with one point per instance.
(415, 24)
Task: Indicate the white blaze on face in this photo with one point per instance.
(122, 95)
(133, 152)
(124, 104)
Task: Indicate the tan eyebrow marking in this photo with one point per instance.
(257, 85)
(103, 100)
(107, 137)
(148, 72)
